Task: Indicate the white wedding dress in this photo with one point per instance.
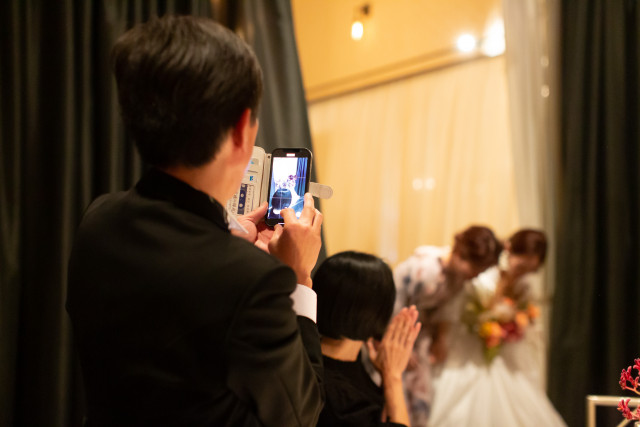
(507, 392)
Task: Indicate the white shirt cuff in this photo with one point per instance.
(305, 302)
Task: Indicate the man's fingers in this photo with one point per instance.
(262, 245)
(309, 210)
(317, 221)
(277, 232)
(257, 214)
(273, 241)
(288, 214)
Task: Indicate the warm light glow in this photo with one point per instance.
(417, 184)
(357, 30)
(426, 184)
(430, 183)
(466, 43)
(544, 91)
(493, 43)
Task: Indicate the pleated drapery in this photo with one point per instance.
(62, 144)
(595, 315)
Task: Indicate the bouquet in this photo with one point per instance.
(497, 320)
(627, 382)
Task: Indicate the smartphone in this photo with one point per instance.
(288, 182)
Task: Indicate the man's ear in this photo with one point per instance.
(245, 131)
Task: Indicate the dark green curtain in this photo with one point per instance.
(268, 27)
(61, 145)
(596, 316)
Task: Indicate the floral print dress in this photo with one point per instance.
(420, 280)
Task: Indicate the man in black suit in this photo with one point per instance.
(177, 321)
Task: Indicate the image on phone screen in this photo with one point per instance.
(288, 185)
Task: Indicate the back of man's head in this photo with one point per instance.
(183, 83)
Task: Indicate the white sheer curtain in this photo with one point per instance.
(530, 30)
(532, 90)
(414, 161)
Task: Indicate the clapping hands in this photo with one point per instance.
(391, 355)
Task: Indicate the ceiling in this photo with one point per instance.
(400, 38)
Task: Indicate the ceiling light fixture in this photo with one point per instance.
(357, 27)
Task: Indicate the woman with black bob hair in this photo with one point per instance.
(356, 295)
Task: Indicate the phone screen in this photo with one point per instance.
(289, 181)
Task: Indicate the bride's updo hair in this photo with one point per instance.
(529, 242)
(478, 245)
(356, 294)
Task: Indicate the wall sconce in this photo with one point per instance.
(493, 43)
(466, 43)
(357, 27)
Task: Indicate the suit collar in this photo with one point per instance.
(156, 184)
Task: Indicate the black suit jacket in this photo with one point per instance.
(177, 322)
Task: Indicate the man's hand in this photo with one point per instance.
(265, 233)
(251, 222)
(297, 244)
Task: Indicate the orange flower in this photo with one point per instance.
(491, 331)
(533, 311)
(522, 320)
(508, 301)
(492, 342)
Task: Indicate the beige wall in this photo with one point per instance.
(383, 121)
(400, 37)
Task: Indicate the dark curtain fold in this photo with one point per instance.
(595, 309)
(268, 27)
(62, 144)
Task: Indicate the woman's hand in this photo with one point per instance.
(392, 354)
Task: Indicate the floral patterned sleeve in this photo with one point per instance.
(419, 279)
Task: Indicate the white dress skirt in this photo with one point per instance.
(508, 391)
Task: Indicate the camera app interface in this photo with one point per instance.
(288, 176)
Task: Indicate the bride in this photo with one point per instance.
(492, 373)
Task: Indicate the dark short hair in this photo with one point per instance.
(183, 83)
(529, 242)
(478, 245)
(356, 295)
